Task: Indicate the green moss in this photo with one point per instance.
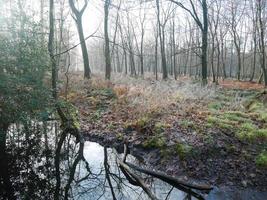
(209, 125)
(155, 142)
(261, 133)
(96, 115)
(251, 132)
(166, 152)
(229, 119)
(230, 148)
(187, 124)
(263, 115)
(236, 116)
(111, 126)
(142, 122)
(248, 127)
(70, 112)
(221, 123)
(225, 125)
(139, 124)
(182, 150)
(208, 139)
(212, 120)
(119, 136)
(256, 106)
(215, 105)
(225, 96)
(159, 127)
(261, 160)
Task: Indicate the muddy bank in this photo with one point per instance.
(218, 169)
(213, 135)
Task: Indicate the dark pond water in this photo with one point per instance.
(32, 172)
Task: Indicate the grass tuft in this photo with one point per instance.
(261, 160)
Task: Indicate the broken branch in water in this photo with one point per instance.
(177, 183)
(132, 177)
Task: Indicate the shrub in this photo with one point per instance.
(261, 160)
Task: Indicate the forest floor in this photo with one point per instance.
(215, 134)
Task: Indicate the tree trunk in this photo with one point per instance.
(174, 49)
(87, 70)
(107, 51)
(51, 48)
(237, 47)
(141, 52)
(162, 44)
(204, 48)
(212, 59)
(156, 55)
(261, 8)
(254, 58)
(78, 19)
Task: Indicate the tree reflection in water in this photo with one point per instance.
(43, 162)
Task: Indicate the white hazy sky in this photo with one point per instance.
(93, 16)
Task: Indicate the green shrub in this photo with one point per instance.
(155, 142)
(182, 150)
(215, 106)
(261, 160)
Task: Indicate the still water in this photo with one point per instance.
(35, 169)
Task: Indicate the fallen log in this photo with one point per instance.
(169, 179)
(132, 177)
(177, 183)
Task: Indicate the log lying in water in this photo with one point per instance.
(169, 179)
(177, 183)
(132, 177)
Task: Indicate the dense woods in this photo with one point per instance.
(179, 84)
(215, 40)
(218, 39)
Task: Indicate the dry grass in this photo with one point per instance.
(148, 95)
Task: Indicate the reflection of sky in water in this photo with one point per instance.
(94, 186)
(99, 188)
(94, 154)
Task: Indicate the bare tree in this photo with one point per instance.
(51, 48)
(203, 25)
(261, 6)
(107, 51)
(162, 43)
(78, 19)
(142, 22)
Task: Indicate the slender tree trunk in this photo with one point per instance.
(42, 19)
(237, 47)
(78, 19)
(218, 61)
(125, 61)
(174, 50)
(156, 55)
(204, 62)
(254, 58)
(142, 53)
(87, 70)
(162, 43)
(261, 8)
(223, 56)
(51, 48)
(212, 59)
(107, 51)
